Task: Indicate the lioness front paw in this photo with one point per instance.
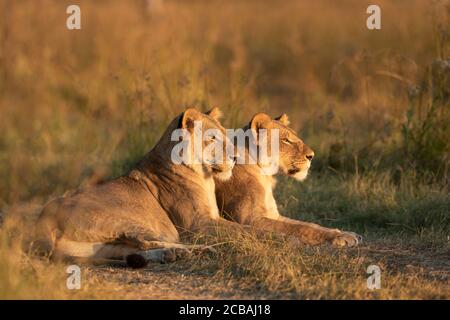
(346, 239)
(188, 252)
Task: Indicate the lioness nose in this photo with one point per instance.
(309, 154)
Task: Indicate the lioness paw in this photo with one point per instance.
(188, 252)
(346, 239)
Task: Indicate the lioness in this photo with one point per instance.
(151, 207)
(247, 196)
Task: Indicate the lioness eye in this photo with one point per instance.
(286, 141)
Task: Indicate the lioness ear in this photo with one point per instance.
(214, 113)
(283, 119)
(188, 117)
(260, 120)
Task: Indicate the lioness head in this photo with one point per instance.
(210, 149)
(294, 155)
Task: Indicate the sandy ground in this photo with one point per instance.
(175, 281)
(160, 282)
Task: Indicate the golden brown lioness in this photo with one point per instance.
(247, 197)
(152, 206)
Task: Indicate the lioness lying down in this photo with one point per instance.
(247, 196)
(144, 215)
(145, 212)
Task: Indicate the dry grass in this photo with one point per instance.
(374, 105)
(405, 235)
(242, 268)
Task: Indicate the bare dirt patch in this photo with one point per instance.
(177, 281)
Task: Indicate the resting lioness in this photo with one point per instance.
(247, 197)
(152, 206)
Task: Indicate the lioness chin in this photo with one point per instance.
(247, 197)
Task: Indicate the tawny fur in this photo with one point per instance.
(154, 206)
(247, 197)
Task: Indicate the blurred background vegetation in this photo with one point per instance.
(374, 105)
(79, 105)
